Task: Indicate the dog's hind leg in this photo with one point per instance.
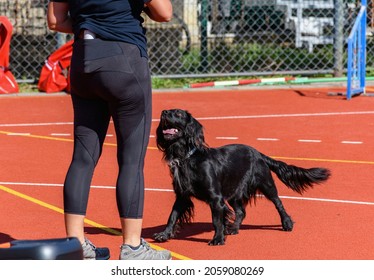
(287, 223)
(269, 189)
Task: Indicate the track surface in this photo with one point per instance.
(304, 127)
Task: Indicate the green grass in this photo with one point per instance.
(28, 88)
(176, 83)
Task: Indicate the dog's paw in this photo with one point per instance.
(161, 237)
(216, 241)
(287, 224)
(231, 230)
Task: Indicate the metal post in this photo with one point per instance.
(363, 47)
(204, 36)
(338, 38)
(299, 42)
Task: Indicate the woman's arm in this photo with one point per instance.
(159, 10)
(58, 17)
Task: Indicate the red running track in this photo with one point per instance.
(304, 127)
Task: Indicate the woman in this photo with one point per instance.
(109, 78)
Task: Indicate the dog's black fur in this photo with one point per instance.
(228, 175)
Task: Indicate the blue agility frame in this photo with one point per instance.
(356, 68)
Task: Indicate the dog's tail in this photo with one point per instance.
(297, 178)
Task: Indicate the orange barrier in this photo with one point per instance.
(54, 76)
(8, 83)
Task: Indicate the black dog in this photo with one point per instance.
(230, 174)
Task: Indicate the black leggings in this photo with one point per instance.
(109, 79)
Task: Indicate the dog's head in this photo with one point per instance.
(178, 127)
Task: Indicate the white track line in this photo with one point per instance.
(170, 190)
(18, 134)
(61, 185)
(217, 137)
(352, 142)
(60, 134)
(309, 141)
(328, 200)
(227, 138)
(221, 118)
(69, 134)
(288, 115)
(35, 124)
(267, 139)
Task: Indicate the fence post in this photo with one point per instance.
(204, 36)
(339, 38)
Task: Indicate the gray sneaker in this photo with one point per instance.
(91, 252)
(145, 252)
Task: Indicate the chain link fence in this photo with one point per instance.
(208, 38)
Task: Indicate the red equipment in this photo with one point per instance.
(8, 83)
(54, 76)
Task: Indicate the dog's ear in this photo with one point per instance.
(194, 132)
(161, 144)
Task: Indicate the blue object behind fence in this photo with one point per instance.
(356, 68)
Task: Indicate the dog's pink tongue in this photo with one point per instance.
(170, 131)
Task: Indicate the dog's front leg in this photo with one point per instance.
(218, 223)
(181, 212)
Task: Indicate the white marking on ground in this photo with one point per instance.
(219, 118)
(170, 190)
(267, 139)
(227, 137)
(60, 134)
(18, 134)
(352, 142)
(309, 141)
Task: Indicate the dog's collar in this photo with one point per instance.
(190, 153)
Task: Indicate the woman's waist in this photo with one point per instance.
(87, 34)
